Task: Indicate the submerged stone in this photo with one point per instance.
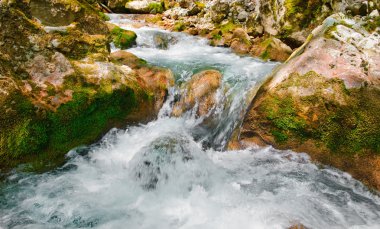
(201, 91)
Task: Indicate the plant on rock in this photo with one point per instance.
(123, 39)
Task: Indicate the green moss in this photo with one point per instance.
(156, 7)
(179, 26)
(372, 24)
(303, 12)
(228, 27)
(123, 39)
(104, 16)
(201, 5)
(265, 55)
(348, 125)
(83, 119)
(266, 45)
(353, 128)
(279, 136)
(216, 36)
(48, 135)
(281, 113)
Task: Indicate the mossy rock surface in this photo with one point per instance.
(320, 116)
(156, 7)
(28, 131)
(123, 39)
(58, 89)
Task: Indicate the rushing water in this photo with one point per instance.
(173, 173)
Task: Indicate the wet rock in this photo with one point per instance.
(240, 43)
(201, 91)
(144, 7)
(127, 58)
(54, 81)
(137, 7)
(175, 13)
(297, 226)
(156, 80)
(324, 101)
(185, 3)
(151, 167)
(117, 6)
(163, 40)
(359, 8)
(271, 49)
(122, 38)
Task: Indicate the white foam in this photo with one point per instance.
(159, 175)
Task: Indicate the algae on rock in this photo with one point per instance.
(324, 101)
(58, 90)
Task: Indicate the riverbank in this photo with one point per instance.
(167, 173)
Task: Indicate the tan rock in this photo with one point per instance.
(324, 101)
(271, 49)
(200, 90)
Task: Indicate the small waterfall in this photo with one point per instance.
(174, 173)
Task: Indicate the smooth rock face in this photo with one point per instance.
(55, 12)
(137, 6)
(201, 91)
(52, 70)
(143, 7)
(324, 101)
(339, 52)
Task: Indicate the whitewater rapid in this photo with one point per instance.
(174, 173)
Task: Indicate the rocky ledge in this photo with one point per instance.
(270, 30)
(325, 101)
(59, 85)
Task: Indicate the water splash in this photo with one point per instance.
(160, 175)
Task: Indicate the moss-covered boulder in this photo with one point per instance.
(122, 38)
(59, 89)
(325, 101)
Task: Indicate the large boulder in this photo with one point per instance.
(199, 93)
(153, 79)
(325, 101)
(122, 38)
(58, 89)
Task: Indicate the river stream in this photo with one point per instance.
(176, 173)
